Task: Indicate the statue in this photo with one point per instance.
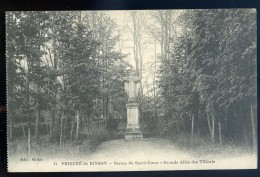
(132, 87)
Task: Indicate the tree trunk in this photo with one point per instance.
(154, 76)
(89, 123)
(135, 48)
(192, 125)
(77, 129)
(166, 35)
(37, 123)
(213, 128)
(103, 110)
(52, 121)
(253, 129)
(71, 132)
(24, 134)
(61, 130)
(98, 122)
(50, 127)
(219, 131)
(198, 124)
(82, 125)
(46, 124)
(141, 66)
(107, 112)
(209, 125)
(37, 89)
(29, 141)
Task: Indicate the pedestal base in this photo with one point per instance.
(133, 134)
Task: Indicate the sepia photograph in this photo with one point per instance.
(131, 90)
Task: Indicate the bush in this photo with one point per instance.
(112, 125)
(97, 139)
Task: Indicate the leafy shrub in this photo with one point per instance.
(97, 139)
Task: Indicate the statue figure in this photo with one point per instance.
(132, 87)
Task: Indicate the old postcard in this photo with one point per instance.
(131, 90)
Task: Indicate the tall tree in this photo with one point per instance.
(209, 56)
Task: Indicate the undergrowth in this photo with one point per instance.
(198, 146)
(43, 147)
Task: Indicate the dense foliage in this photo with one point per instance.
(64, 74)
(209, 82)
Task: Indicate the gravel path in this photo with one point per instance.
(152, 148)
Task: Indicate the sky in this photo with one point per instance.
(149, 45)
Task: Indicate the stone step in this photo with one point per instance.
(134, 136)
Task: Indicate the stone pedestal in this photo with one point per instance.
(133, 131)
(132, 87)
